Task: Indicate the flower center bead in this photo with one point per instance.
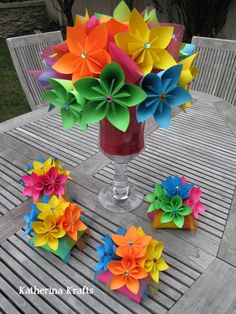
(175, 210)
(147, 45)
(126, 273)
(162, 96)
(84, 55)
(109, 98)
(154, 260)
(105, 254)
(73, 222)
(131, 243)
(66, 106)
(52, 208)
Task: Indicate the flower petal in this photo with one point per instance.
(117, 281)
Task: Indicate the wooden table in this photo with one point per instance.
(200, 145)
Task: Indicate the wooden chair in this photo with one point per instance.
(26, 55)
(217, 65)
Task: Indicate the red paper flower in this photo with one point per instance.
(33, 185)
(53, 182)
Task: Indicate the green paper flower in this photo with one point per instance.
(157, 199)
(175, 211)
(70, 103)
(109, 97)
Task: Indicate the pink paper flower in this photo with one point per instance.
(53, 182)
(33, 185)
(194, 201)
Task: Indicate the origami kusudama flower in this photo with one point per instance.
(163, 95)
(146, 46)
(194, 201)
(33, 185)
(175, 211)
(71, 222)
(41, 167)
(126, 273)
(154, 263)
(109, 97)
(131, 244)
(87, 55)
(157, 198)
(106, 253)
(53, 182)
(61, 170)
(47, 232)
(31, 217)
(177, 186)
(67, 100)
(55, 207)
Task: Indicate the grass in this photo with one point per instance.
(12, 98)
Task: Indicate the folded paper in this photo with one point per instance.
(129, 261)
(57, 224)
(175, 203)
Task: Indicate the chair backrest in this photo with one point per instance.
(26, 55)
(217, 64)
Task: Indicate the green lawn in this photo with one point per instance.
(12, 99)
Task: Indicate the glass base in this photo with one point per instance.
(108, 201)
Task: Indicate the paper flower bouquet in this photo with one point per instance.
(119, 71)
(175, 203)
(129, 262)
(56, 223)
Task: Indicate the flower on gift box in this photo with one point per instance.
(55, 207)
(106, 253)
(175, 211)
(53, 182)
(87, 55)
(33, 185)
(109, 96)
(126, 273)
(153, 263)
(177, 186)
(194, 201)
(131, 244)
(67, 100)
(41, 167)
(47, 232)
(60, 170)
(31, 217)
(157, 198)
(163, 95)
(146, 46)
(71, 222)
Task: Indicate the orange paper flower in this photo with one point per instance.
(131, 244)
(86, 56)
(71, 222)
(127, 273)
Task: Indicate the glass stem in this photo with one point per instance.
(120, 182)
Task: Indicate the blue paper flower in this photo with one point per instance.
(31, 217)
(163, 95)
(106, 253)
(174, 186)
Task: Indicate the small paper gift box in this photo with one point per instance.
(56, 223)
(175, 203)
(130, 262)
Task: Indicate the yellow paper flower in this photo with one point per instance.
(60, 170)
(188, 73)
(81, 19)
(40, 168)
(154, 263)
(55, 207)
(146, 46)
(47, 232)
